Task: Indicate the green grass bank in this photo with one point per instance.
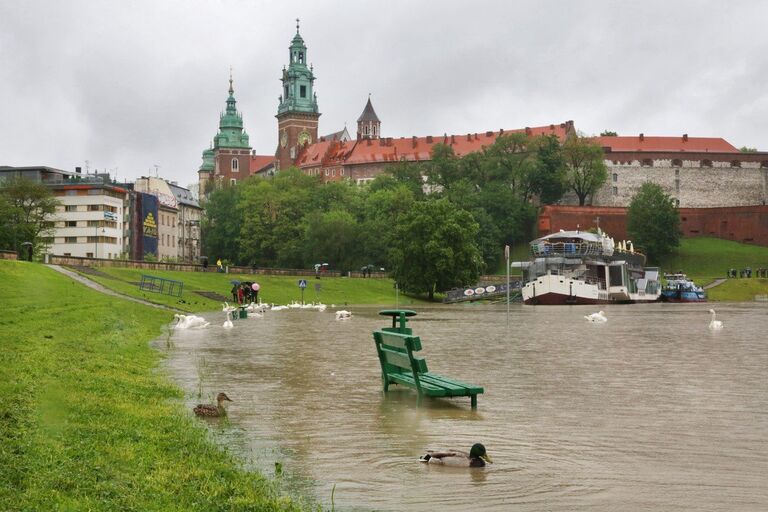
(88, 419)
(274, 289)
(706, 259)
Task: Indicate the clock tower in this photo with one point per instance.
(297, 113)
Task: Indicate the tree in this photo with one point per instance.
(549, 182)
(653, 221)
(745, 149)
(433, 248)
(221, 224)
(608, 133)
(585, 168)
(27, 210)
(333, 237)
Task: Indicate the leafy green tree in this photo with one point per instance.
(608, 133)
(549, 180)
(333, 237)
(27, 210)
(443, 170)
(382, 212)
(512, 161)
(221, 224)
(434, 249)
(745, 149)
(585, 169)
(401, 173)
(653, 221)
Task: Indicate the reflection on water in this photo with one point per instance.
(650, 411)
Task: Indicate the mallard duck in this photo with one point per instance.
(213, 410)
(476, 458)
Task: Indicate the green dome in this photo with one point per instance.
(231, 133)
(208, 164)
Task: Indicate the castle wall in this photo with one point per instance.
(748, 224)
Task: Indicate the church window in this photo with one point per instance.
(677, 173)
(341, 172)
(286, 92)
(301, 57)
(677, 186)
(326, 172)
(333, 172)
(235, 165)
(677, 202)
(615, 191)
(365, 130)
(374, 130)
(303, 91)
(615, 177)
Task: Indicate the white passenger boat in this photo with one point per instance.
(582, 267)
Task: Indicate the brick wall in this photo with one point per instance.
(748, 224)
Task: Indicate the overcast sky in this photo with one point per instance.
(127, 85)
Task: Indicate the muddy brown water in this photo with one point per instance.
(650, 411)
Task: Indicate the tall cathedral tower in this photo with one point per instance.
(297, 113)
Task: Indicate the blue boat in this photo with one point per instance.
(681, 289)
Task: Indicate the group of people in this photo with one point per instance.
(245, 293)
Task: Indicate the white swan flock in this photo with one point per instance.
(255, 311)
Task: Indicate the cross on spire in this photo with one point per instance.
(297, 25)
(231, 90)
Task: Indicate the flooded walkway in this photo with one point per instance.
(650, 411)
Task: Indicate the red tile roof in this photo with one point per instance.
(259, 162)
(411, 148)
(684, 143)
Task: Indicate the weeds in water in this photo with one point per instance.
(203, 372)
(333, 504)
(278, 468)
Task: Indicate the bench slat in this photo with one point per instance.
(398, 340)
(454, 386)
(401, 360)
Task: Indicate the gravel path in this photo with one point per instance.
(99, 288)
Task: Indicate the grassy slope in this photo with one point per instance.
(706, 259)
(87, 422)
(277, 289)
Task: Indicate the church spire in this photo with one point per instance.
(368, 124)
(231, 133)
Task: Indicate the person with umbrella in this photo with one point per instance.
(235, 287)
(255, 287)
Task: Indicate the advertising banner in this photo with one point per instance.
(149, 223)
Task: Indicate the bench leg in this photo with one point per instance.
(418, 399)
(473, 401)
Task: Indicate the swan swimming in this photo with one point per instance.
(598, 317)
(190, 322)
(228, 322)
(715, 325)
(343, 314)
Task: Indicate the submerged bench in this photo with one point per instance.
(396, 347)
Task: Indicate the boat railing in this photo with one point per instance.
(566, 249)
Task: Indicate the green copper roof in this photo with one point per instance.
(298, 80)
(207, 160)
(231, 133)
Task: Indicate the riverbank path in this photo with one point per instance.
(716, 282)
(103, 289)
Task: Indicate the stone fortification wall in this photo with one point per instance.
(698, 183)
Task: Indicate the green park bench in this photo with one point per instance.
(396, 347)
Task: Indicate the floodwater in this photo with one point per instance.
(649, 411)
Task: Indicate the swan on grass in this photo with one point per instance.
(715, 324)
(598, 317)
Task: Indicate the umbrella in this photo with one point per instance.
(235, 282)
(255, 287)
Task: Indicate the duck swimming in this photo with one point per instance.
(213, 410)
(476, 458)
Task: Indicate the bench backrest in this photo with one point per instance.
(396, 353)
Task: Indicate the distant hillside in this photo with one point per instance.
(705, 259)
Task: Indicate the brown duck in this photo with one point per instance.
(213, 410)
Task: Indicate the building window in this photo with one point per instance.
(70, 239)
(736, 163)
(70, 224)
(70, 208)
(706, 163)
(677, 202)
(94, 192)
(333, 172)
(677, 163)
(235, 165)
(301, 57)
(94, 207)
(615, 177)
(286, 92)
(71, 192)
(647, 162)
(233, 181)
(326, 172)
(677, 173)
(303, 91)
(341, 172)
(615, 191)
(677, 186)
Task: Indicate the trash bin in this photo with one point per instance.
(243, 313)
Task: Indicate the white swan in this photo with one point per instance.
(228, 322)
(598, 317)
(320, 307)
(279, 308)
(343, 314)
(715, 325)
(196, 322)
